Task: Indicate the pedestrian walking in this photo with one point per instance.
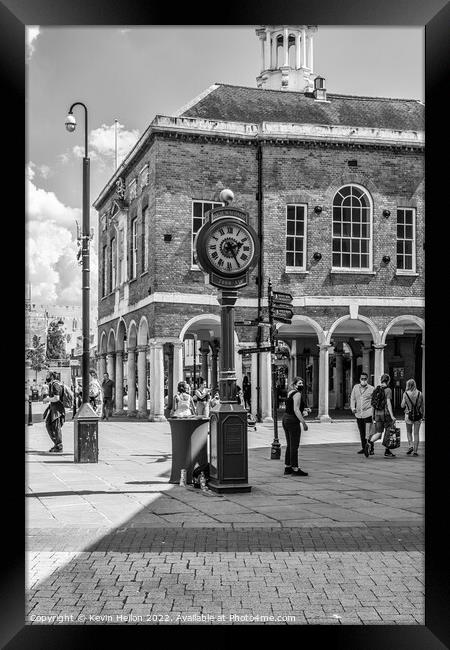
(108, 396)
(95, 392)
(55, 413)
(292, 421)
(412, 402)
(361, 405)
(383, 415)
(201, 396)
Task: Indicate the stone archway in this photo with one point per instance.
(351, 345)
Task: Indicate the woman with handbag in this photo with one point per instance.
(412, 402)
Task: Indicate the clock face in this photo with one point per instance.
(230, 247)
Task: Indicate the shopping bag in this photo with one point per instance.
(391, 437)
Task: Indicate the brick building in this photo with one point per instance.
(334, 186)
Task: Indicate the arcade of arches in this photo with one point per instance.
(146, 370)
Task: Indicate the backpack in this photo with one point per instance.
(66, 397)
(378, 400)
(415, 413)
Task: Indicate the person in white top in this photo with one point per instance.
(412, 402)
(360, 403)
(183, 405)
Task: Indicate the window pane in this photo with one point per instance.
(364, 261)
(346, 260)
(409, 232)
(400, 232)
(355, 261)
(290, 243)
(346, 245)
(291, 212)
(300, 227)
(409, 216)
(197, 209)
(346, 229)
(400, 216)
(290, 227)
(345, 191)
(290, 259)
(364, 245)
(408, 262)
(356, 230)
(346, 214)
(408, 247)
(298, 259)
(400, 261)
(336, 245)
(356, 192)
(336, 260)
(299, 244)
(355, 245)
(365, 215)
(337, 229)
(400, 247)
(364, 231)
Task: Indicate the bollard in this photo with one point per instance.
(183, 478)
(30, 413)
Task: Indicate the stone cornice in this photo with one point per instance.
(270, 132)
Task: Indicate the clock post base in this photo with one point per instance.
(223, 488)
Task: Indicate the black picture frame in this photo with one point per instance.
(433, 15)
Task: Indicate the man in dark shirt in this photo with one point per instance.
(108, 396)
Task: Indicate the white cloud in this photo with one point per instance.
(102, 143)
(51, 248)
(31, 34)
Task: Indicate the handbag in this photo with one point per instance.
(391, 437)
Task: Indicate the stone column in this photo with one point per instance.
(323, 382)
(286, 47)
(274, 52)
(177, 374)
(214, 371)
(119, 383)
(423, 376)
(297, 50)
(266, 386)
(268, 50)
(142, 381)
(253, 381)
(339, 379)
(102, 365)
(366, 350)
(304, 48)
(131, 380)
(310, 53)
(291, 370)
(156, 382)
(204, 349)
(378, 369)
(315, 379)
(263, 52)
(110, 366)
(170, 393)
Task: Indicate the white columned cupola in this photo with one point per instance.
(292, 67)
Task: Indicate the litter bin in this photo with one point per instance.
(189, 445)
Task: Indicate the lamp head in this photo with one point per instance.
(71, 123)
(226, 196)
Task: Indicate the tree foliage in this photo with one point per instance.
(56, 343)
(36, 355)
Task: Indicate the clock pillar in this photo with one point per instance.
(228, 462)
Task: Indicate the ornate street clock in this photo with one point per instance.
(227, 248)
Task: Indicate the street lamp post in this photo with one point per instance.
(86, 420)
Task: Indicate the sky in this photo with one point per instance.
(131, 74)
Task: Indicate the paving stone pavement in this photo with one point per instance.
(115, 543)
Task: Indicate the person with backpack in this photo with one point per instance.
(55, 413)
(383, 415)
(412, 402)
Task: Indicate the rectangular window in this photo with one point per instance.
(143, 178)
(295, 237)
(199, 210)
(144, 239)
(133, 248)
(104, 271)
(132, 190)
(406, 240)
(113, 263)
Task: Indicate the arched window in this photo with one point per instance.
(352, 229)
(280, 51)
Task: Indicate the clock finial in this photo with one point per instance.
(226, 196)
